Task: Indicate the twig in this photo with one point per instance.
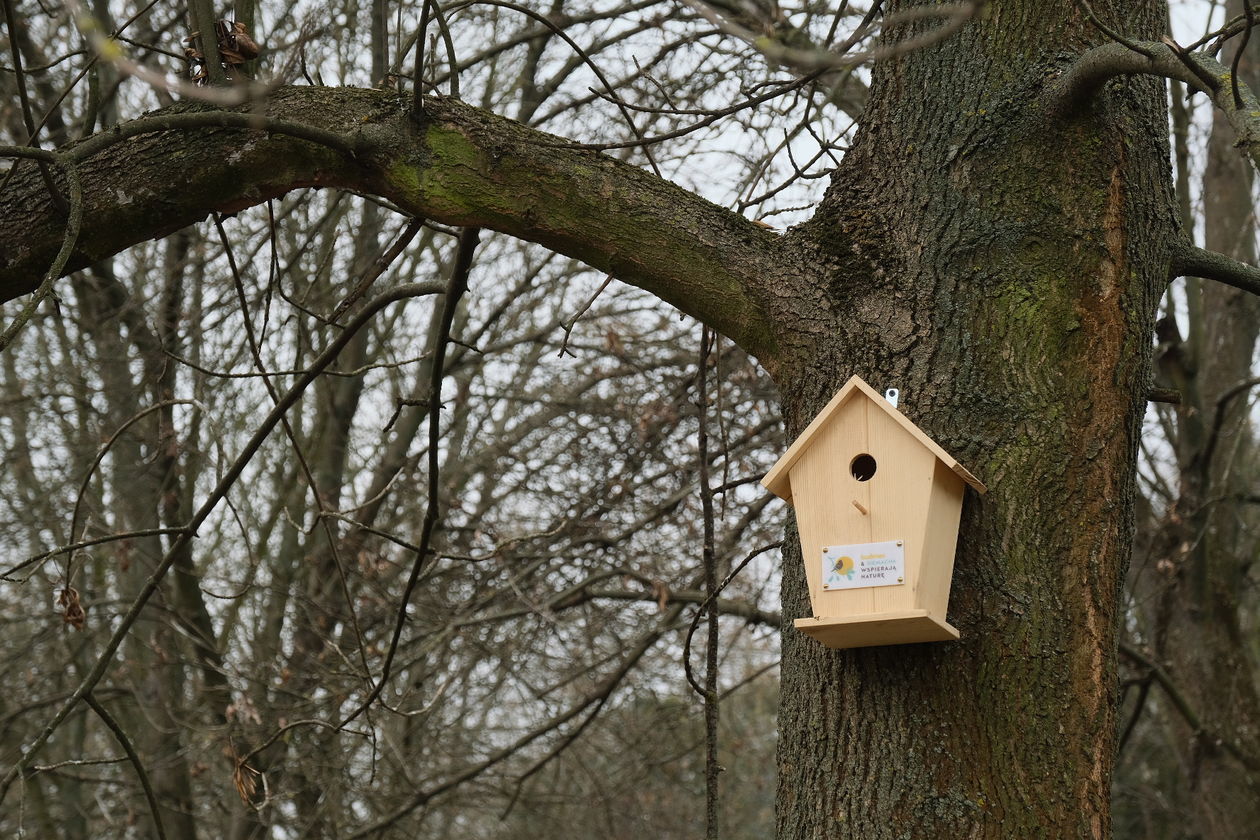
(27, 116)
(66, 549)
(1139, 706)
(1109, 32)
(378, 268)
(449, 42)
(1218, 420)
(417, 78)
(303, 461)
(1238, 54)
(568, 328)
(124, 742)
(955, 15)
(1186, 711)
(603, 691)
(710, 694)
(206, 119)
(63, 256)
(468, 240)
(586, 59)
(96, 462)
(220, 490)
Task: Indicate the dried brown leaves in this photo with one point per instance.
(235, 48)
(72, 611)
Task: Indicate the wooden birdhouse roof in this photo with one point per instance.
(776, 480)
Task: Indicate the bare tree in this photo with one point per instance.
(375, 512)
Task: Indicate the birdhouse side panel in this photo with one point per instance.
(823, 494)
(941, 540)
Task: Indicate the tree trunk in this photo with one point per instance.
(1196, 583)
(1001, 265)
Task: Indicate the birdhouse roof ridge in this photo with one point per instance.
(776, 480)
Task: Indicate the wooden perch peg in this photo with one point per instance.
(862, 510)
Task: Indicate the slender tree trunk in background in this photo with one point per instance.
(1005, 273)
(1194, 626)
(153, 662)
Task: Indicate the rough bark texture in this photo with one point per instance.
(1001, 268)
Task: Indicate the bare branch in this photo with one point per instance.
(1187, 712)
(454, 164)
(1191, 261)
(105, 658)
(455, 290)
(123, 741)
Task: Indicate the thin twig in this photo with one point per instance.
(1187, 712)
(417, 78)
(468, 240)
(568, 328)
(710, 694)
(586, 59)
(141, 774)
(303, 461)
(1093, 18)
(63, 256)
(27, 116)
(229, 479)
(378, 268)
(1238, 55)
(66, 549)
(96, 462)
(603, 691)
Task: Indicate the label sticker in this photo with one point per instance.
(863, 565)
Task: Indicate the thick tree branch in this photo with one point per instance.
(1191, 261)
(1199, 70)
(453, 163)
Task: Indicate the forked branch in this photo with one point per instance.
(1082, 81)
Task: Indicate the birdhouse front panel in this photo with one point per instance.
(863, 482)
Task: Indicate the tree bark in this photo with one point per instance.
(1002, 269)
(451, 163)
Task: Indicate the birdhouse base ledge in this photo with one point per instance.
(871, 629)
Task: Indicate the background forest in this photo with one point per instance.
(575, 463)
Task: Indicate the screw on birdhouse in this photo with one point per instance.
(860, 508)
(900, 542)
(892, 394)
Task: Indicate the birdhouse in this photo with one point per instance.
(877, 505)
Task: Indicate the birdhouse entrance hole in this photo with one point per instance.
(862, 467)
